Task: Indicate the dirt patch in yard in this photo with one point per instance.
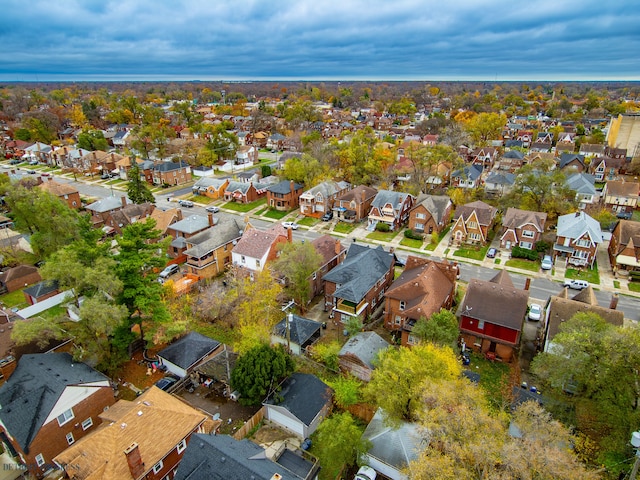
(267, 434)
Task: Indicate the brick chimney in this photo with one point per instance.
(614, 302)
(363, 195)
(292, 187)
(179, 214)
(338, 248)
(527, 283)
(124, 201)
(210, 219)
(134, 460)
(290, 235)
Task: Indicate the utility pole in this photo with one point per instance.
(288, 320)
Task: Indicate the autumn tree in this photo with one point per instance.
(485, 127)
(306, 170)
(441, 328)
(92, 140)
(221, 143)
(137, 189)
(296, 264)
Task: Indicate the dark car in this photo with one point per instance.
(624, 215)
(327, 216)
(165, 383)
(492, 253)
(15, 161)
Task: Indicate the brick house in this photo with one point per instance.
(391, 208)
(182, 230)
(484, 157)
(621, 197)
(320, 199)
(491, 316)
(332, 253)
(424, 288)
(117, 220)
(49, 403)
(577, 239)
(41, 291)
(472, 222)
(244, 192)
(571, 163)
(354, 205)
(624, 246)
(431, 213)
(246, 155)
(209, 252)
(211, 187)
(140, 439)
(356, 287)
(522, 228)
(284, 196)
(171, 173)
(17, 277)
(258, 247)
(63, 191)
(102, 209)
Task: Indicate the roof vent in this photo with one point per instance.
(139, 413)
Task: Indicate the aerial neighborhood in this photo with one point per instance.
(341, 280)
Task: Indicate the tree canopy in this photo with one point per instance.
(441, 328)
(137, 189)
(296, 263)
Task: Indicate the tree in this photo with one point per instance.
(296, 263)
(305, 169)
(137, 189)
(485, 127)
(92, 140)
(337, 442)
(221, 143)
(259, 371)
(441, 328)
(396, 383)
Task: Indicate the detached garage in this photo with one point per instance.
(301, 404)
(185, 354)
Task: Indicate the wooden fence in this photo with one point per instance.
(249, 425)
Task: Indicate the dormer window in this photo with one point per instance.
(402, 304)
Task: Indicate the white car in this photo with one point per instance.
(535, 312)
(547, 263)
(292, 225)
(576, 284)
(366, 473)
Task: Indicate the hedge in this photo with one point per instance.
(408, 233)
(519, 252)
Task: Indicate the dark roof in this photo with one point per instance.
(304, 395)
(362, 268)
(284, 187)
(365, 346)
(471, 172)
(436, 205)
(567, 158)
(42, 288)
(169, 166)
(35, 387)
(221, 457)
(385, 197)
(188, 350)
(484, 212)
(301, 330)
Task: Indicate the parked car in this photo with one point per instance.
(366, 473)
(535, 312)
(492, 252)
(186, 203)
(15, 161)
(33, 162)
(327, 216)
(624, 215)
(105, 176)
(165, 383)
(212, 209)
(168, 271)
(291, 225)
(576, 284)
(547, 263)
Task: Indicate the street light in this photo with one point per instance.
(635, 443)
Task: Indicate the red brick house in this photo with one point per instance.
(41, 291)
(354, 205)
(171, 173)
(472, 222)
(624, 246)
(484, 157)
(390, 207)
(64, 192)
(17, 277)
(424, 288)
(320, 199)
(577, 239)
(491, 316)
(49, 403)
(431, 213)
(244, 192)
(284, 196)
(522, 228)
(332, 253)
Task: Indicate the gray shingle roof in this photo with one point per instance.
(301, 329)
(191, 224)
(575, 225)
(582, 183)
(105, 205)
(35, 387)
(384, 197)
(364, 346)
(213, 238)
(283, 187)
(42, 288)
(304, 395)
(188, 350)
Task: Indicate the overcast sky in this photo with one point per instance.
(42, 40)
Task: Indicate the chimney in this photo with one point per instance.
(179, 214)
(124, 201)
(290, 235)
(210, 219)
(527, 283)
(338, 248)
(292, 187)
(363, 195)
(614, 302)
(134, 460)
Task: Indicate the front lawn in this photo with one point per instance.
(244, 207)
(342, 227)
(308, 221)
(634, 286)
(523, 264)
(590, 275)
(383, 236)
(411, 243)
(275, 214)
(472, 252)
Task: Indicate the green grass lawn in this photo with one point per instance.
(430, 246)
(261, 211)
(494, 376)
(276, 214)
(616, 284)
(636, 215)
(382, 236)
(14, 299)
(590, 275)
(474, 253)
(411, 243)
(342, 227)
(634, 286)
(115, 181)
(308, 221)
(523, 264)
(244, 207)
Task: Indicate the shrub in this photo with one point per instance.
(265, 170)
(542, 246)
(519, 252)
(382, 227)
(408, 233)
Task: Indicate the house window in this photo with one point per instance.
(472, 225)
(242, 259)
(527, 245)
(419, 226)
(474, 236)
(64, 417)
(88, 423)
(257, 263)
(583, 243)
(181, 446)
(480, 324)
(420, 216)
(398, 320)
(412, 340)
(527, 233)
(70, 438)
(157, 467)
(402, 304)
(314, 275)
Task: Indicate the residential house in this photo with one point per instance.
(171, 173)
(17, 277)
(391, 208)
(472, 222)
(467, 177)
(571, 163)
(511, 161)
(209, 252)
(424, 288)
(276, 141)
(355, 205)
(284, 196)
(41, 291)
(50, 402)
(211, 187)
(522, 228)
(566, 137)
(246, 155)
(296, 333)
(301, 404)
(578, 236)
(320, 199)
(64, 191)
(392, 446)
(484, 157)
(182, 230)
(185, 354)
(430, 213)
(561, 307)
(102, 209)
(223, 457)
(614, 152)
(332, 253)
(621, 197)
(498, 183)
(592, 150)
(356, 287)
(117, 220)
(165, 218)
(585, 187)
(544, 137)
(564, 148)
(40, 152)
(244, 192)
(607, 168)
(491, 316)
(624, 246)
(358, 355)
(525, 136)
(258, 247)
(139, 439)
(542, 147)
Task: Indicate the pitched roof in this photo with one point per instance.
(567, 158)
(468, 172)
(436, 205)
(385, 197)
(213, 238)
(106, 204)
(164, 218)
(17, 272)
(301, 329)
(501, 178)
(622, 188)
(326, 247)
(132, 213)
(516, 218)
(355, 194)
(627, 231)
(169, 166)
(484, 212)
(575, 225)
(41, 288)
(57, 189)
(284, 187)
(327, 189)
(35, 387)
(188, 350)
(304, 395)
(191, 224)
(362, 268)
(582, 183)
(365, 346)
(156, 421)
